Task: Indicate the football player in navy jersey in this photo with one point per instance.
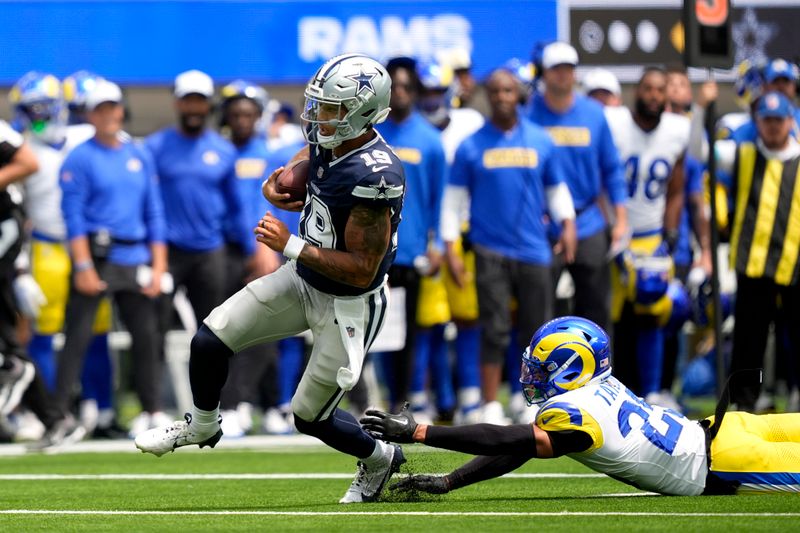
(333, 283)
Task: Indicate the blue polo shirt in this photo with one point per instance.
(592, 164)
(419, 147)
(199, 188)
(113, 189)
(506, 173)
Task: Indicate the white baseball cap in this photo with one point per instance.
(193, 82)
(104, 91)
(600, 78)
(559, 53)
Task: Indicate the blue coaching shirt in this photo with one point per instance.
(252, 168)
(198, 186)
(419, 147)
(506, 174)
(592, 161)
(113, 189)
(371, 175)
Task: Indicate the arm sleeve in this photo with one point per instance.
(482, 468)
(484, 439)
(613, 173)
(439, 181)
(236, 208)
(559, 200)
(456, 201)
(698, 144)
(154, 206)
(75, 186)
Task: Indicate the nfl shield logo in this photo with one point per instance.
(351, 331)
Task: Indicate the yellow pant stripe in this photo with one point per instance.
(791, 242)
(765, 218)
(747, 163)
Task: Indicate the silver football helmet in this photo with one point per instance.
(349, 93)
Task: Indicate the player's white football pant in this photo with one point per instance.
(282, 304)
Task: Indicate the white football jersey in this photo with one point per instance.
(647, 446)
(43, 192)
(649, 158)
(463, 123)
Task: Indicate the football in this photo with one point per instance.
(293, 180)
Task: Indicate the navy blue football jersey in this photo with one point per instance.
(371, 175)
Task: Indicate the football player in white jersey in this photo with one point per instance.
(590, 416)
(435, 103)
(652, 144)
(42, 114)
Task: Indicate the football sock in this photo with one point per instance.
(208, 368)
(205, 421)
(467, 356)
(441, 375)
(97, 377)
(513, 363)
(290, 363)
(422, 356)
(649, 359)
(342, 432)
(41, 351)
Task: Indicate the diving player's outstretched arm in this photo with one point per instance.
(502, 449)
(367, 235)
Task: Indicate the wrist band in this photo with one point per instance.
(82, 266)
(293, 247)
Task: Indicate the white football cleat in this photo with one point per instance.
(370, 480)
(165, 439)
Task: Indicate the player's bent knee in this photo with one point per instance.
(308, 428)
(206, 343)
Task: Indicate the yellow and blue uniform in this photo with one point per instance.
(660, 450)
(50, 262)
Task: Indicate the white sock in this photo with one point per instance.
(377, 453)
(105, 418)
(205, 421)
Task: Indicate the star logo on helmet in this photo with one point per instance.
(364, 81)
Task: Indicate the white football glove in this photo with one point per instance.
(30, 297)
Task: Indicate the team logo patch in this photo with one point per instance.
(351, 331)
(66, 176)
(134, 165)
(319, 173)
(210, 157)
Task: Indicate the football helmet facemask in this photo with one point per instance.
(564, 354)
(39, 106)
(349, 94)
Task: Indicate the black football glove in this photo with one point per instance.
(393, 428)
(422, 483)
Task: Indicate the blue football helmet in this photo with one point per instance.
(749, 84)
(525, 73)
(563, 355)
(245, 89)
(76, 87)
(39, 106)
(438, 91)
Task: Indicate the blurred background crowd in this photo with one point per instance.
(486, 253)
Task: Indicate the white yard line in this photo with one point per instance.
(200, 477)
(384, 513)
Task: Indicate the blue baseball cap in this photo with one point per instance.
(780, 68)
(774, 104)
